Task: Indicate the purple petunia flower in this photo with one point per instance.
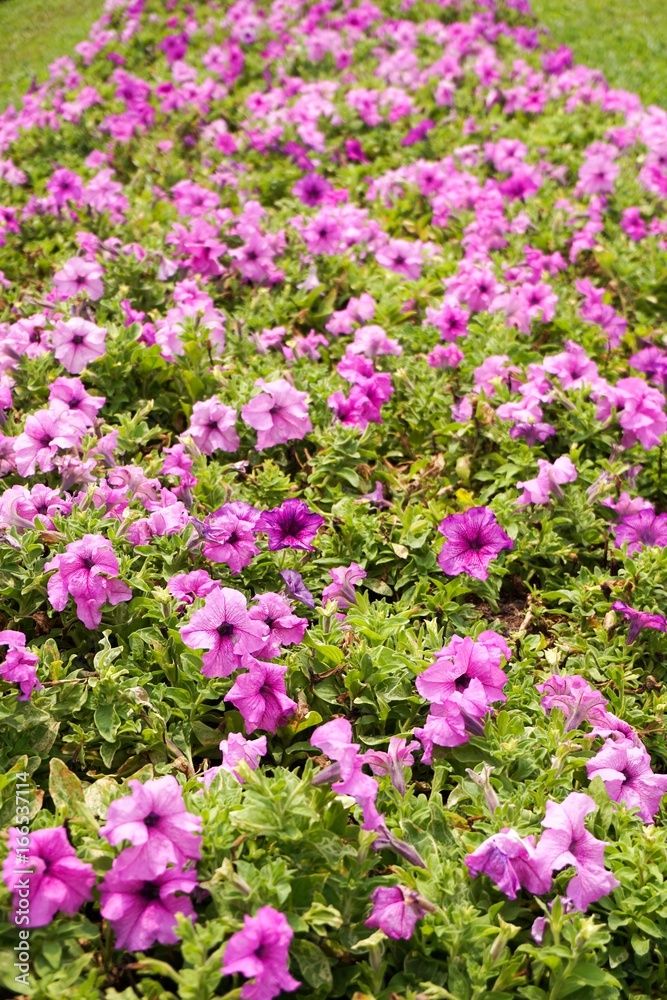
(50, 871)
(261, 697)
(142, 911)
(645, 528)
(229, 535)
(225, 629)
(639, 620)
(473, 540)
(76, 342)
(260, 951)
(285, 628)
(296, 588)
(393, 761)
(625, 769)
(342, 589)
(396, 911)
(290, 526)
(19, 665)
(87, 570)
(312, 189)
(511, 862)
(212, 426)
(155, 821)
(236, 748)
(461, 685)
(566, 841)
(279, 413)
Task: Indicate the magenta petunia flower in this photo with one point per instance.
(396, 911)
(185, 587)
(566, 842)
(153, 818)
(625, 769)
(285, 628)
(393, 761)
(296, 589)
(511, 862)
(279, 413)
(19, 665)
(461, 685)
(79, 275)
(224, 628)
(142, 911)
(643, 529)
(68, 397)
(472, 541)
(86, 570)
(290, 526)
(236, 749)
(44, 434)
(346, 775)
(76, 342)
(312, 189)
(229, 535)
(50, 871)
(260, 951)
(342, 589)
(212, 426)
(261, 697)
(639, 620)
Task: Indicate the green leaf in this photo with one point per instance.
(314, 966)
(64, 787)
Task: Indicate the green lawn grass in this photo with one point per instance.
(35, 32)
(626, 39)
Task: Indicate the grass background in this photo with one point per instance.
(35, 32)
(626, 39)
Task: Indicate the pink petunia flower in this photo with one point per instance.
(260, 951)
(142, 910)
(224, 628)
(55, 878)
(472, 541)
(212, 426)
(76, 342)
(279, 413)
(260, 695)
(87, 570)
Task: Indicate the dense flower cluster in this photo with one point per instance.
(332, 522)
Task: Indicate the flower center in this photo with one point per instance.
(225, 630)
(151, 820)
(150, 892)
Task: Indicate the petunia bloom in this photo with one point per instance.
(87, 570)
(625, 769)
(511, 862)
(76, 342)
(260, 696)
(342, 589)
(229, 535)
(279, 413)
(142, 911)
(472, 541)
(290, 526)
(19, 665)
(224, 628)
(396, 911)
(212, 426)
(285, 628)
(260, 951)
(153, 818)
(639, 620)
(566, 842)
(57, 881)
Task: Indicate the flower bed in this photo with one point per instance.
(332, 370)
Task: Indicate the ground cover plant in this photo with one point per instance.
(332, 521)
